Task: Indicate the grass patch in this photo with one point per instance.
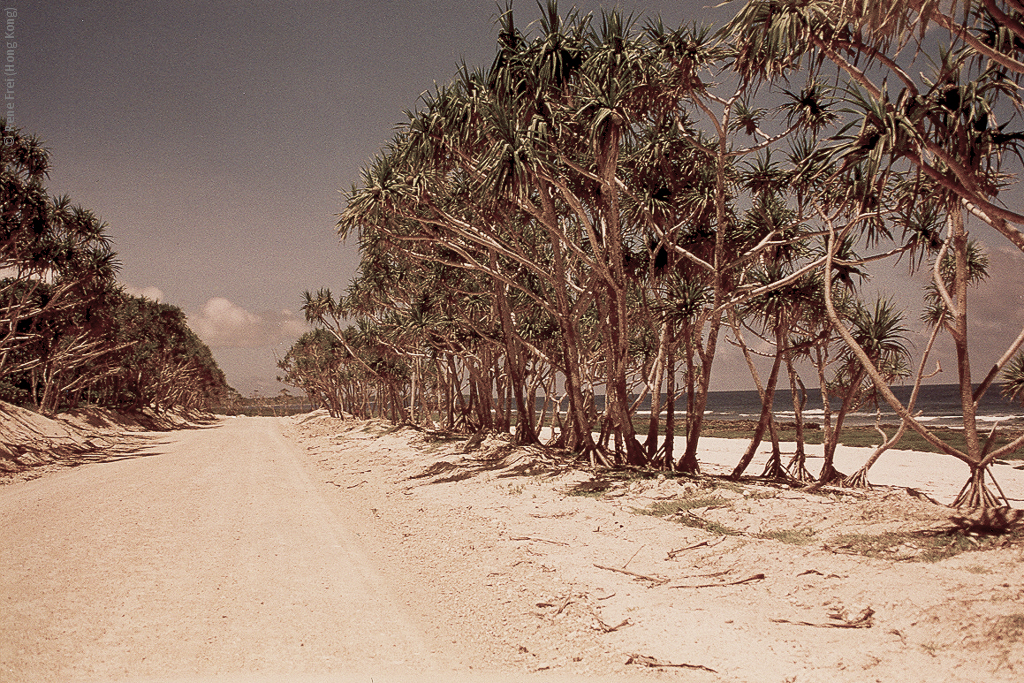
(515, 489)
(679, 511)
(664, 508)
(909, 545)
(438, 441)
(595, 488)
(790, 536)
(1009, 627)
(861, 437)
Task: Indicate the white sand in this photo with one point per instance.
(937, 475)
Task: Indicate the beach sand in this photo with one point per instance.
(514, 568)
(934, 474)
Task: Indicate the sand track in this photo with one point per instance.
(209, 552)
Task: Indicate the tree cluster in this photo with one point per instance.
(609, 201)
(68, 333)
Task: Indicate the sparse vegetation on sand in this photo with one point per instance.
(615, 572)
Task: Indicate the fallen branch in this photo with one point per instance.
(634, 555)
(672, 553)
(644, 660)
(534, 538)
(749, 579)
(654, 579)
(817, 573)
(607, 628)
(565, 604)
(862, 619)
(838, 624)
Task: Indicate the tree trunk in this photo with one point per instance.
(798, 464)
(657, 370)
(516, 362)
(670, 403)
(767, 400)
(580, 437)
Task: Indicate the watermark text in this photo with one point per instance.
(10, 67)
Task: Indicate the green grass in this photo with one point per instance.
(664, 508)
(679, 510)
(920, 546)
(850, 436)
(790, 536)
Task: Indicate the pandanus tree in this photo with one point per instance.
(365, 346)
(936, 316)
(67, 331)
(156, 361)
(542, 175)
(738, 130)
(1013, 379)
(776, 315)
(315, 364)
(54, 256)
(880, 332)
(514, 171)
(946, 129)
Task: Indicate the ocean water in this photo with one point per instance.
(939, 404)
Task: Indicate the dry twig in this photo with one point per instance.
(672, 553)
(749, 579)
(644, 660)
(534, 538)
(565, 604)
(608, 628)
(654, 579)
(634, 555)
(843, 619)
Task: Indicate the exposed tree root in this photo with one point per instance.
(830, 476)
(976, 494)
(798, 469)
(857, 480)
(773, 469)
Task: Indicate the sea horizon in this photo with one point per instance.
(939, 405)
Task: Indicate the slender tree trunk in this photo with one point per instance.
(516, 361)
(829, 474)
(670, 402)
(579, 437)
(773, 468)
(655, 380)
(798, 464)
(618, 390)
(694, 408)
(767, 400)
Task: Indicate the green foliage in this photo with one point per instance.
(68, 334)
(1013, 378)
(586, 214)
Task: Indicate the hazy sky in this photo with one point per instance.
(215, 139)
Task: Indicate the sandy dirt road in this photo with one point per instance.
(210, 553)
(310, 549)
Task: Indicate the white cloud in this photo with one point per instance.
(151, 293)
(223, 324)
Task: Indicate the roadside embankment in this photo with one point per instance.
(30, 441)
